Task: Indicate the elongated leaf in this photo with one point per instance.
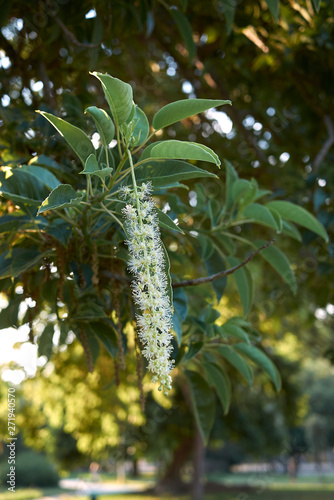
(166, 222)
(231, 178)
(176, 111)
(185, 29)
(231, 330)
(278, 219)
(45, 341)
(88, 311)
(298, 215)
(92, 168)
(278, 260)
(142, 127)
(25, 259)
(261, 359)
(291, 230)
(9, 315)
(21, 187)
(11, 222)
(118, 95)
(260, 214)
(164, 173)
(61, 197)
(47, 178)
(219, 380)
(203, 401)
(237, 361)
(274, 8)
(184, 151)
(107, 334)
(193, 349)
(75, 137)
(244, 284)
(315, 4)
(180, 303)
(103, 122)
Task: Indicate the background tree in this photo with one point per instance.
(281, 127)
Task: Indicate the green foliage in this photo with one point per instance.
(82, 233)
(32, 469)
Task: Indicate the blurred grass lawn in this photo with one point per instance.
(35, 494)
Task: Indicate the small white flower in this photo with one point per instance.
(150, 285)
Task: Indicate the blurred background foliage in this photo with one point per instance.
(274, 60)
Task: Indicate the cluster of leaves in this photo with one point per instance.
(63, 243)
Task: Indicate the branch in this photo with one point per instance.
(73, 38)
(221, 274)
(327, 144)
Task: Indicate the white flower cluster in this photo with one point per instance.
(150, 284)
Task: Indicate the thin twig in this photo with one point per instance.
(326, 145)
(73, 38)
(221, 274)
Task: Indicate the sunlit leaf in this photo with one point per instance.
(176, 111)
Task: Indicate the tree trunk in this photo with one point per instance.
(171, 481)
(198, 461)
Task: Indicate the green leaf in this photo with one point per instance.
(45, 341)
(278, 260)
(237, 361)
(193, 349)
(240, 188)
(11, 222)
(260, 214)
(214, 264)
(184, 150)
(316, 5)
(92, 168)
(61, 197)
(162, 174)
(107, 334)
(231, 178)
(88, 311)
(176, 111)
(185, 29)
(274, 8)
(278, 219)
(231, 330)
(142, 127)
(103, 122)
(291, 230)
(180, 303)
(9, 315)
(76, 138)
(229, 8)
(25, 259)
(166, 222)
(203, 401)
(118, 95)
(244, 284)
(298, 215)
(21, 187)
(42, 174)
(261, 359)
(219, 380)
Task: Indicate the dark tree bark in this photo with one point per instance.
(172, 481)
(199, 464)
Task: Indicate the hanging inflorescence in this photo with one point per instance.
(150, 285)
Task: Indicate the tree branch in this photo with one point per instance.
(73, 38)
(221, 274)
(327, 144)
